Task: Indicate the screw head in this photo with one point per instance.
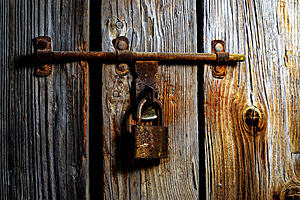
(122, 69)
(122, 45)
(219, 47)
(119, 25)
(115, 93)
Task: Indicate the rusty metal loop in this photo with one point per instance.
(154, 102)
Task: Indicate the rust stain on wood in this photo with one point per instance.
(84, 67)
(169, 95)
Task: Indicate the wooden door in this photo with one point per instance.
(62, 137)
(252, 115)
(163, 26)
(43, 121)
(251, 134)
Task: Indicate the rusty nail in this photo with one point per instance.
(115, 93)
(122, 69)
(219, 47)
(119, 25)
(122, 45)
(220, 69)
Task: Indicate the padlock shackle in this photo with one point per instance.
(154, 101)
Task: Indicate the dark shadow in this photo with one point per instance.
(201, 116)
(27, 61)
(95, 106)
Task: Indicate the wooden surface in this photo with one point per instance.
(244, 161)
(43, 153)
(162, 26)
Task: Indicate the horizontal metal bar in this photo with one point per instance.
(45, 56)
(128, 56)
(148, 56)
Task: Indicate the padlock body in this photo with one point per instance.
(150, 142)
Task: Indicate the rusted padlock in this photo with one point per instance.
(150, 136)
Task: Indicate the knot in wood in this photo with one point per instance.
(290, 191)
(253, 120)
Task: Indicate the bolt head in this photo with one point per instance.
(122, 69)
(219, 47)
(115, 93)
(119, 25)
(122, 45)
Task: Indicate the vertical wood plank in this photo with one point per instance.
(247, 161)
(43, 120)
(164, 26)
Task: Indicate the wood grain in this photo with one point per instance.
(245, 161)
(163, 26)
(42, 120)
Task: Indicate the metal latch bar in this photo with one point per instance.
(45, 55)
(73, 56)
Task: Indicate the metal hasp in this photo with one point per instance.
(45, 56)
(151, 137)
(146, 120)
(218, 47)
(41, 45)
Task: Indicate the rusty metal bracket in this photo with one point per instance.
(45, 56)
(146, 119)
(42, 45)
(146, 72)
(218, 47)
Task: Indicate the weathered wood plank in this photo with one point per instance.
(43, 120)
(245, 161)
(152, 26)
